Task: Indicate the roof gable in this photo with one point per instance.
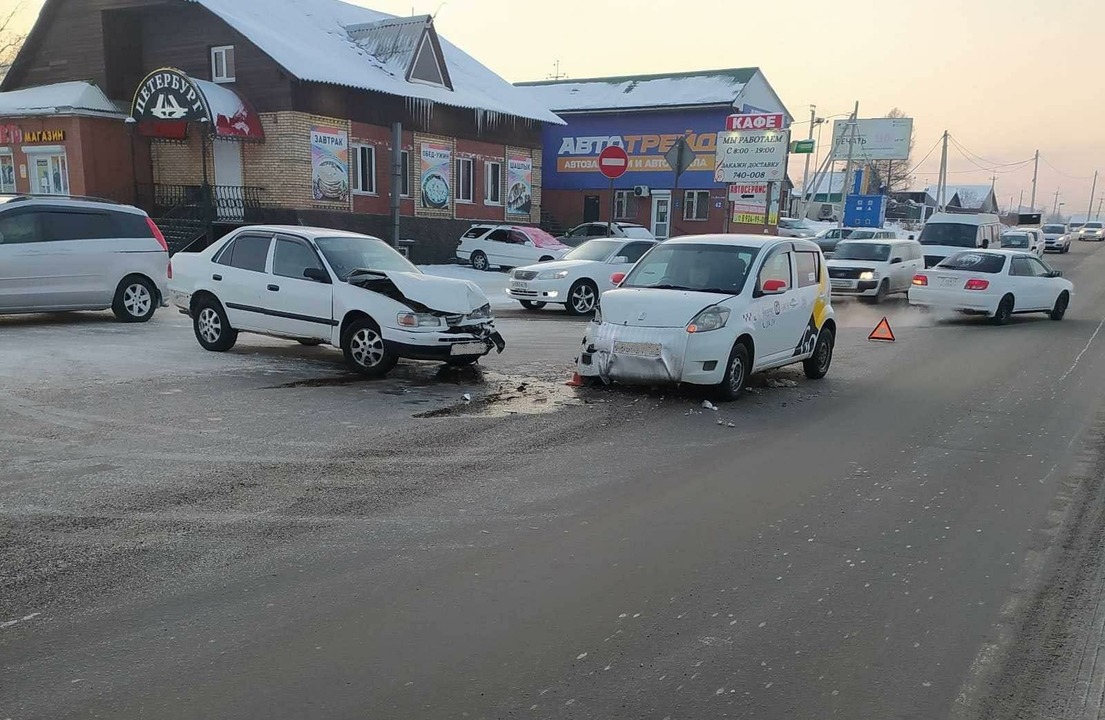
(406, 46)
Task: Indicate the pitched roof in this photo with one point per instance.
(67, 98)
(330, 41)
(703, 87)
(970, 196)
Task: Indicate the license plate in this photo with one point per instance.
(948, 282)
(634, 348)
(518, 285)
(469, 348)
(842, 283)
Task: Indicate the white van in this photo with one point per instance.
(873, 269)
(948, 233)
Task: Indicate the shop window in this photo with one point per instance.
(364, 169)
(222, 64)
(49, 173)
(464, 167)
(7, 173)
(625, 205)
(493, 193)
(405, 183)
(696, 205)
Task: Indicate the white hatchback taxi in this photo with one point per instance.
(996, 283)
(579, 278)
(321, 286)
(711, 310)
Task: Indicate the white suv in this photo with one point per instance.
(509, 246)
(874, 269)
(59, 253)
(321, 286)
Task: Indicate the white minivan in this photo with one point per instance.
(873, 269)
(61, 253)
(946, 234)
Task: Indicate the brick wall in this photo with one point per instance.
(282, 163)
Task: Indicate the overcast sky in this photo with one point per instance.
(1004, 78)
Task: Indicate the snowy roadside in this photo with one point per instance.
(493, 283)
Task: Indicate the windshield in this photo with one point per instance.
(347, 253)
(875, 252)
(974, 262)
(593, 250)
(1092, 226)
(1075, 226)
(951, 234)
(637, 233)
(703, 268)
(1054, 229)
(1014, 240)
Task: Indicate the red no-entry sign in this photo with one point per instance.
(613, 162)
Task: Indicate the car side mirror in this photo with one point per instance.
(617, 278)
(1055, 273)
(317, 274)
(773, 287)
(620, 260)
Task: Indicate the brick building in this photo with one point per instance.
(645, 114)
(213, 113)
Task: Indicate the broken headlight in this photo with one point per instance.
(419, 320)
(481, 313)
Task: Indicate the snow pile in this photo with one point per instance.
(58, 99)
(718, 87)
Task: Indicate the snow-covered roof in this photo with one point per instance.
(970, 196)
(67, 98)
(707, 87)
(317, 41)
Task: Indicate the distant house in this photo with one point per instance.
(911, 205)
(967, 198)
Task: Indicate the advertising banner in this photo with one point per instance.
(329, 163)
(875, 138)
(750, 155)
(435, 188)
(519, 185)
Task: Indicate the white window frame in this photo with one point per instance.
(34, 153)
(6, 153)
(357, 190)
(405, 164)
(488, 186)
(692, 198)
(457, 165)
(225, 76)
(625, 197)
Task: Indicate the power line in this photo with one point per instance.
(1069, 177)
(995, 163)
(996, 167)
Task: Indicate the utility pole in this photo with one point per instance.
(1055, 207)
(1093, 191)
(942, 185)
(806, 173)
(1020, 202)
(1035, 173)
(1098, 215)
(845, 191)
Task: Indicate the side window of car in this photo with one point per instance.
(1037, 268)
(19, 228)
(59, 225)
(632, 252)
(518, 238)
(776, 267)
(247, 252)
(1020, 268)
(597, 230)
(475, 232)
(292, 258)
(807, 265)
(499, 235)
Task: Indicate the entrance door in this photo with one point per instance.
(228, 180)
(591, 205)
(661, 214)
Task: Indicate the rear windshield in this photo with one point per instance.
(874, 252)
(1054, 229)
(950, 234)
(703, 268)
(974, 262)
(1014, 240)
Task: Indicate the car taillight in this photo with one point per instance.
(169, 270)
(157, 235)
(920, 280)
(976, 284)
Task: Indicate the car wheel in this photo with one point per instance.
(212, 329)
(531, 305)
(817, 366)
(1060, 308)
(365, 350)
(583, 296)
(882, 292)
(1004, 312)
(135, 300)
(310, 343)
(736, 373)
(479, 261)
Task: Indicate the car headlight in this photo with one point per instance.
(481, 313)
(553, 275)
(712, 318)
(419, 320)
(868, 275)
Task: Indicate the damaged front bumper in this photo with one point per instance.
(462, 341)
(646, 355)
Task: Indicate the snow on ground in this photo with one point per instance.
(492, 283)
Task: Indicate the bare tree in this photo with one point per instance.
(10, 41)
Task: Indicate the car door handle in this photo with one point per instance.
(216, 277)
(274, 288)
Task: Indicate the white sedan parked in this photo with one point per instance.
(487, 246)
(576, 281)
(997, 283)
(321, 286)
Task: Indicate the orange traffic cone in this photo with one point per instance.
(576, 381)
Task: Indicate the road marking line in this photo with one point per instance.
(1079, 356)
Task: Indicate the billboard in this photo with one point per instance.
(329, 163)
(751, 155)
(434, 185)
(570, 152)
(519, 184)
(875, 138)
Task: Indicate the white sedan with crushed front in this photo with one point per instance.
(996, 283)
(319, 286)
(711, 310)
(577, 280)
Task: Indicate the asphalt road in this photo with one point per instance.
(251, 535)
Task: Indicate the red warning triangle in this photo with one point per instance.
(882, 331)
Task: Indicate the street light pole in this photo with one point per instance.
(1093, 191)
(806, 173)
